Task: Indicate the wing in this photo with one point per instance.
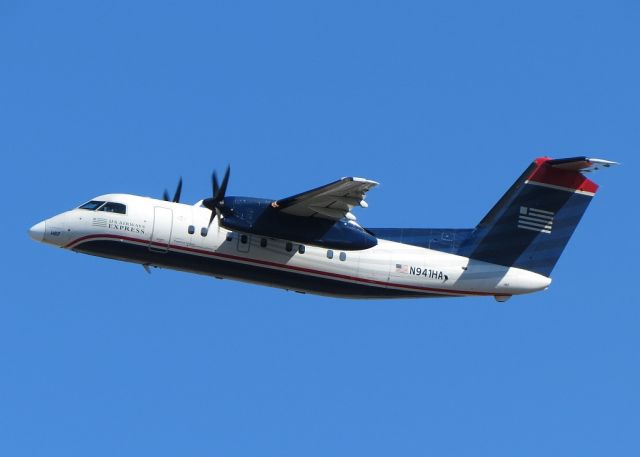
(332, 201)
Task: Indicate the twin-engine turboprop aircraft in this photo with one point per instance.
(311, 242)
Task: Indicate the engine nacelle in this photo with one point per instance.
(258, 217)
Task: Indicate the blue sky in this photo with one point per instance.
(444, 103)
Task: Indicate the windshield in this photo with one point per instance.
(112, 207)
(107, 207)
(93, 204)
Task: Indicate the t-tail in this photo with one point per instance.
(531, 224)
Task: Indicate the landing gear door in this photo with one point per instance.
(162, 226)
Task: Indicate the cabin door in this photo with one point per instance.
(161, 233)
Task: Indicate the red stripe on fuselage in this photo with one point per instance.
(268, 263)
(571, 180)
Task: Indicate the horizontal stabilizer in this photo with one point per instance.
(582, 164)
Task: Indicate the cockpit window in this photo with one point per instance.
(111, 207)
(92, 205)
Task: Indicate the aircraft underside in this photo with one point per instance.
(217, 265)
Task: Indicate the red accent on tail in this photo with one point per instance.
(564, 178)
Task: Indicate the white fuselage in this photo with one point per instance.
(173, 235)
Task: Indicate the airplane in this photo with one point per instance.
(311, 243)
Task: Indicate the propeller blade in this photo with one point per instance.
(214, 180)
(176, 197)
(216, 201)
(223, 187)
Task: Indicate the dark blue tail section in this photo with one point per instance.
(531, 224)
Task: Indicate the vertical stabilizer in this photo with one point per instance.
(531, 224)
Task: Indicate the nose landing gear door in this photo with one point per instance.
(162, 226)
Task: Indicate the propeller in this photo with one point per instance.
(176, 196)
(216, 202)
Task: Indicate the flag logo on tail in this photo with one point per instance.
(536, 220)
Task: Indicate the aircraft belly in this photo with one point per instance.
(253, 270)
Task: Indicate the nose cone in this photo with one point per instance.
(37, 231)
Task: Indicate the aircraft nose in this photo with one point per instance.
(37, 231)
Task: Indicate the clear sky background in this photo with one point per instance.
(444, 103)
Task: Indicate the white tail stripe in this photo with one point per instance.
(567, 189)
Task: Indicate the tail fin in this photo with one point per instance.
(531, 224)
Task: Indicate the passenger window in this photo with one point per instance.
(191, 230)
(329, 254)
(111, 207)
(263, 242)
(229, 236)
(92, 205)
(301, 249)
(343, 256)
(289, 247)
(204, 231)
(243, 239)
